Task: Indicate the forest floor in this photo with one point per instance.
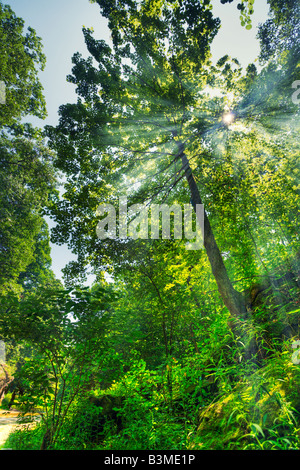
(9, 422)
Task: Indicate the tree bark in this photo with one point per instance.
(234, 300)
(4, 382)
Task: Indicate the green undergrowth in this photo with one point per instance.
(261, 412)
(186, 405)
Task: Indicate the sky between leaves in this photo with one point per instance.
(59, 24)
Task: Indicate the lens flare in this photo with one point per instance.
(228, 118)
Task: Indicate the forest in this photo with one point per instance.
(188, 338)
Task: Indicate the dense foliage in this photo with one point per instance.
(27, 176)
(170, 348)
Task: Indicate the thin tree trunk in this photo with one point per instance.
(4, 382)
(233, 300)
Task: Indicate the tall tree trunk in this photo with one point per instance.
(233, 300)
(4, 382)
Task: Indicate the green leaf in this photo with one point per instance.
(257, 429)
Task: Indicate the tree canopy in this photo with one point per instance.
(21, 57)
(152, 111)
(26, 172)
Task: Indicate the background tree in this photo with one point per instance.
(27, 177)
(27, 181)
(21, 58)
(65, 331)
(26, 173)
(279, 35)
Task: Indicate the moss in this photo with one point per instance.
(218, 424)
(267, 399)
